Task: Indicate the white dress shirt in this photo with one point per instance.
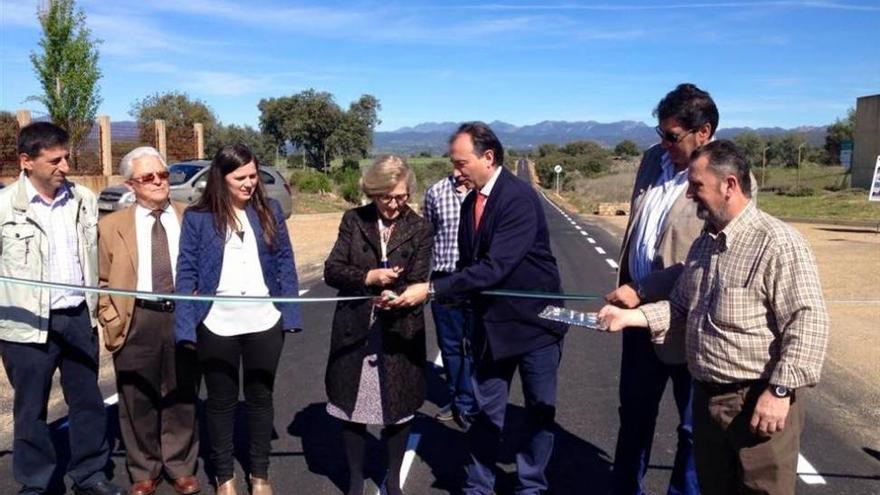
(241, 275)
(655, 208)
(143, 222)
(486, 190)
(64, 265)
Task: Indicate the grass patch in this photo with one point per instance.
(851, 204)
(305, 203)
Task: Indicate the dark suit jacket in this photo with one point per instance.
(357, 251)
(200, 261)
(510, 251)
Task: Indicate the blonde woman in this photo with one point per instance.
(375, 373)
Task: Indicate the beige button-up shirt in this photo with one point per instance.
(751, 305)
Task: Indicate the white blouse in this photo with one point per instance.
(241, 275)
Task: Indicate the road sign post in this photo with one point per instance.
(558, 170)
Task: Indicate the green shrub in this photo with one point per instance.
(310, 181)
(347, 182)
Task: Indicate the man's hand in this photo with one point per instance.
(770, 413)
(624, 296)
(413, 295)
(383, 276)
(614, 319)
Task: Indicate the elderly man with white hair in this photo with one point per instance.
(157, 382)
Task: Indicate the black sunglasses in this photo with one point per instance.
(669, 136)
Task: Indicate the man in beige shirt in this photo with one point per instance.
(756, 329)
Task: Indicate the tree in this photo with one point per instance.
(261, 144)
(312, 121)
(837, 133)
(627, 147)
(784, 150)
(752, 147)
(176, 109)
(68, 71)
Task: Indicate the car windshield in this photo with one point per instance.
(181, 173)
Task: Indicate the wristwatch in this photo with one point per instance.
(780, 391)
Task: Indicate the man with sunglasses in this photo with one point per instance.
(663, 224)
(157, 381)
(48, 233)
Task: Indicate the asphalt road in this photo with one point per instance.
(307, 457)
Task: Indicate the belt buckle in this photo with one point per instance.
(167, 305)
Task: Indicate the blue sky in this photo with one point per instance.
(766, 63)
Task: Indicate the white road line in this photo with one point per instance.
(584, 233)
(412, 444)
(600, 250)
(302, 292)
(612, 263)
(591, 240)
(808, 473)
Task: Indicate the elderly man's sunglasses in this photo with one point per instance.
(150, 177)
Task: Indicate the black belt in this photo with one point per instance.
(164, 305)
(725, 388)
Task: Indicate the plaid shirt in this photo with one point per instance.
(443, 209)
(750, 304)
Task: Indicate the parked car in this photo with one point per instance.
(187, 182)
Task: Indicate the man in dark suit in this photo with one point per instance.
(504, 244)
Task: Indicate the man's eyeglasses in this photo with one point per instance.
(669, 136)
(386, 198)
(150, 177)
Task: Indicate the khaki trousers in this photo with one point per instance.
(730, 459)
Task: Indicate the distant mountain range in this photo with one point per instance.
(432, 136)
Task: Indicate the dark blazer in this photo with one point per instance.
(357, 251)
(200, 261)
(510, 251)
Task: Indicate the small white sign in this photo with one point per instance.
(874, 190)
(557, 169)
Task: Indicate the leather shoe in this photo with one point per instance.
(103, 487)
(145, 487)
(260, 486)
(187, 485)
(227, 488)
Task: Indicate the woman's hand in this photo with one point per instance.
(413, 295)
(383, 276)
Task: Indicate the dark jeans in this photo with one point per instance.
(73, 347)
(537, 371)
(453, 336)
(643, 379)
(220, 357)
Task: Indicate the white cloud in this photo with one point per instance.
(19, 14)
(218, 83)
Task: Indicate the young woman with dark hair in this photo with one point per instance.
(234, 241)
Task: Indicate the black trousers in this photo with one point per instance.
(73, 347)
(257, 355)
(158, 390)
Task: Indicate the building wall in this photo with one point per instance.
(866, 140)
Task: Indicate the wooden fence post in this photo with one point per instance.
(160, 138)
(23, 117)
(199, 133)
(105, 142)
